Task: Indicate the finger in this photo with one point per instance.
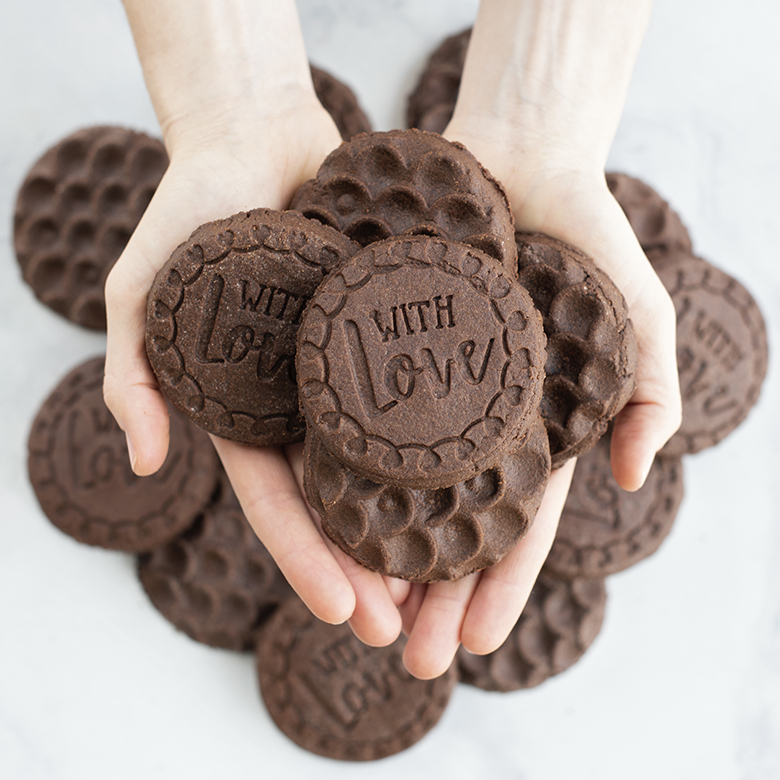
(398, 589)
(375, 619)
(272, 502)
(435, 636)
(504, 588)
(411, 606)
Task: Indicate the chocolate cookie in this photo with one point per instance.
(222, 317)
(75, 212)
(340, 102)
(339, 698)
(430, 535)
(420, 361)
(80, 470)
(407, 182)
(591, 347)
(656, 224)
(431, 104)
(722, 349)
(604, 529)
(216, 581)
(557, 626)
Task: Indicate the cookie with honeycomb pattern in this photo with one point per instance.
(432, 102)
(409, 182)
(722, 350)
(76, 211)
(591, 347)
(559, 623)
(216, 581)
(604, 529)
(336, 697)
(341, 103)
(656, 224)
(222, 319)
(430, 535)
(80, 470)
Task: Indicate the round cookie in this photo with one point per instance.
(80, 470)
(408, 182)
(431, 104)
(604, 529)
(75, 212)
(419, 362)
(222, 317)
(430, 535)
(216, 581)
(339, 698)
(591, 347)
(655, 223)
(557, 625)
(722, 350)
(340, 102)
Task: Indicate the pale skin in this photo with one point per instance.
(539, 106)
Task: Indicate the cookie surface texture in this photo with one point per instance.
(339, 698)
(407, 182)
(341, 103)
(216, 581)
(591, 347)
(419, 361)
(604, 529)
(722, 350)
(80, 470)
(430, 535)
(559, 623)
(222, 318)
(75, 212)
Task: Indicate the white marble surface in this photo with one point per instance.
(684, 680)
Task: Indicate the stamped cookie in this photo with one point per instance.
(340, 102)
(222, 317)
(604, 529)
(80, 470)
(339, 698)
(408, 182)
(430, 535)
(559, 623)
(216, 581)
(420, 361)
(75, 212)
(655, 223)
(431, 104)
(722, 350)
(591, 347)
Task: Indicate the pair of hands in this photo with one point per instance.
(238, 162)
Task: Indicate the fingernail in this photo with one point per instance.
(130, 451)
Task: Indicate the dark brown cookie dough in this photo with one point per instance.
(420, 361)
(216, 581)
(75, 212)
(431, 104)
(557, 626)
(222, 317)
(654, 221)
(604, 529)
(339, 698)
(340, 102)
(430, 535)
(722, 350)
(80, 470)
(591, 347)
(407, 182)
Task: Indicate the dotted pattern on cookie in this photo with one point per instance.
(339, 698)
(75, 212)
(559, 623)
(408, 182)
(591, 347)
(430, 535)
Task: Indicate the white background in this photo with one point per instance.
(683, 681)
